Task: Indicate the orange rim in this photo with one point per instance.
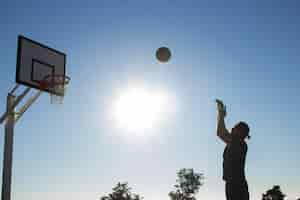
(52, 81)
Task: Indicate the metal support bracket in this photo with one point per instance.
(16, 102)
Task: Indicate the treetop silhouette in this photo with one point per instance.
(188, 184)
(122, 192)
(274, 194)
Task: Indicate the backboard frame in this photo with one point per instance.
(18, 63)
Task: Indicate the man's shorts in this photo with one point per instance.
(237, 190)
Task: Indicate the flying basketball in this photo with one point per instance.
(163, 54)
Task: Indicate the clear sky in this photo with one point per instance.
(245, 53)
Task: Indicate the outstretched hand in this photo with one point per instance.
(221, 108)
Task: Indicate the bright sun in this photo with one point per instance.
(138, 109)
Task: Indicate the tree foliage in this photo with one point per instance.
(188, 184)
(121, 192)
(273, 194)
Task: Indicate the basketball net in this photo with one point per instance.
(57, 86)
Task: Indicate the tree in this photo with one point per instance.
(188, 184)
(121, 192)
(273, 194)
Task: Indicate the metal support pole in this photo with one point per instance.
(8, 149)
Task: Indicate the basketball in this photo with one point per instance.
(163, 54)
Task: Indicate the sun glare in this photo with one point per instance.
(138, 109)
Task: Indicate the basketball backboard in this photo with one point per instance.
(36, 61)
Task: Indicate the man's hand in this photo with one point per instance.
(221, 108)
(222, 132)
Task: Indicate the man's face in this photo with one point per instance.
(234, 130)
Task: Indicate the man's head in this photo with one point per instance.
(241, 130)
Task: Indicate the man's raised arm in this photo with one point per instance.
(222, 132)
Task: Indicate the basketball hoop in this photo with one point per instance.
(56, 85)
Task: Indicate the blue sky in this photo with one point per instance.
(243, 52)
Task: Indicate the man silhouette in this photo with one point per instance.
(234, 156)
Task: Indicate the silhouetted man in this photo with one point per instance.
(234, 156)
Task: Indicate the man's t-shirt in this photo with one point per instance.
(234, 158)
